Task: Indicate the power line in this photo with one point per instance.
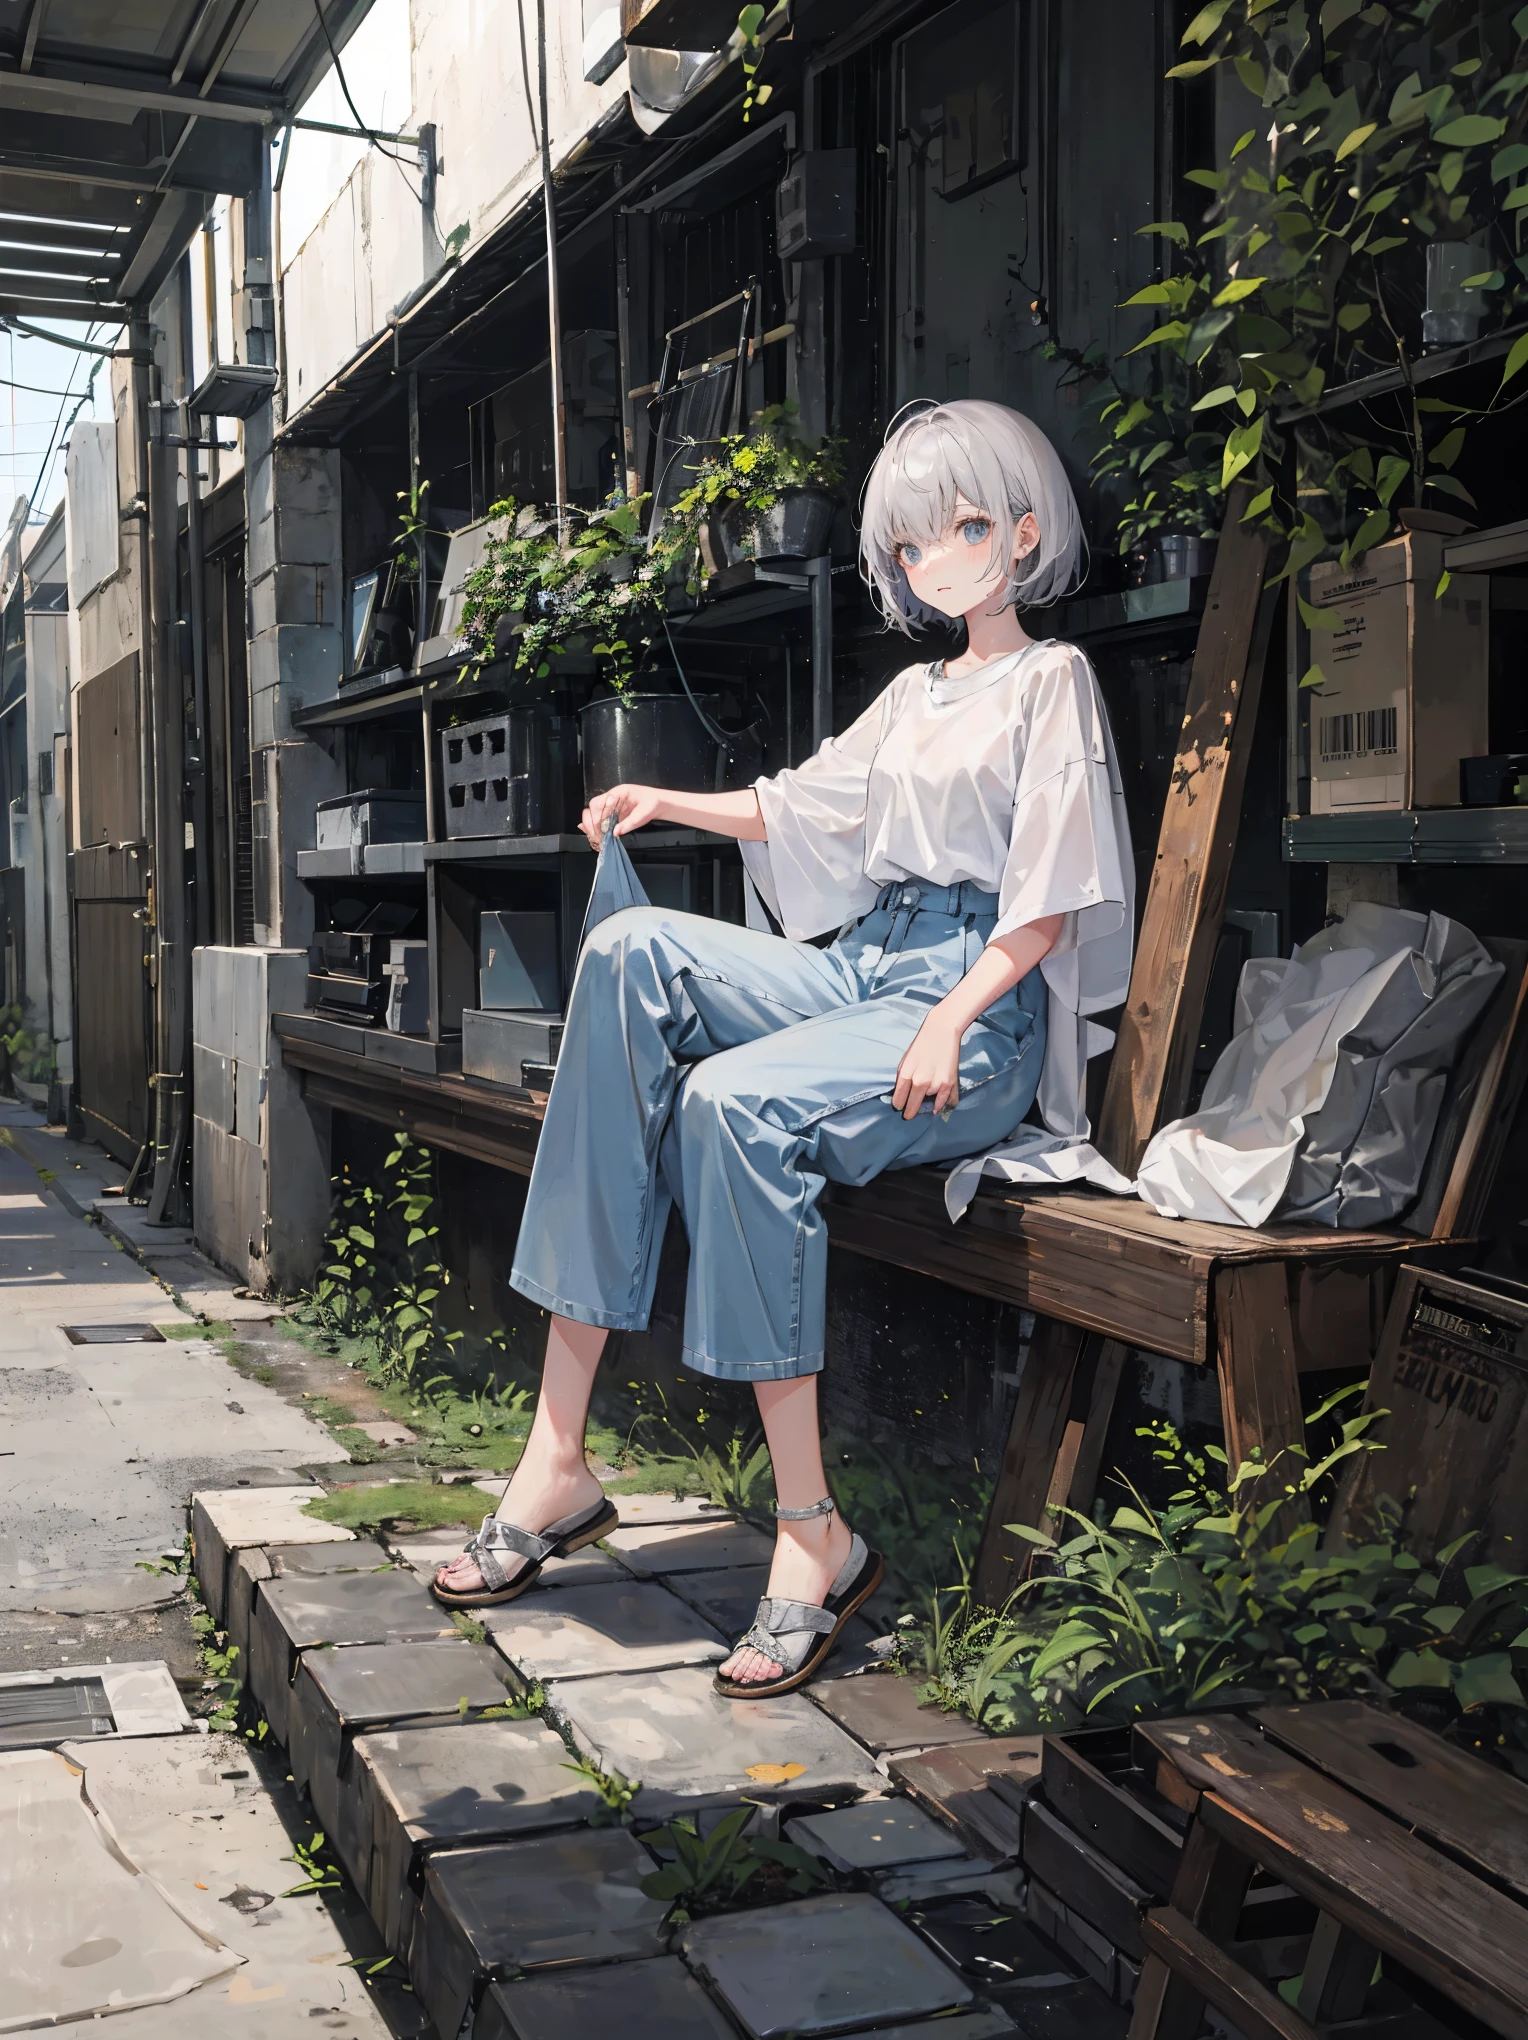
(373, 138)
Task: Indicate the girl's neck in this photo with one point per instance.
(989, 635)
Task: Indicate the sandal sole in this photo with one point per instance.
(488, 1597)
(764, 1689)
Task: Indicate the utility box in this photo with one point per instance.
(369, 817)
(815, 205)
(408, 998)
(511, 1048)
(1405, 693)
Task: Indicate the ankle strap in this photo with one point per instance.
(823, 1508)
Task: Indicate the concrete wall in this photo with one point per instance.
(374, 247)
(260, 1156)
(41, 838)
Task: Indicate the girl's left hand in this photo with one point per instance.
(930, 1068)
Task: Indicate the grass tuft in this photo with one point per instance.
(406, 1501)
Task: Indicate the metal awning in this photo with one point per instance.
(120, 118)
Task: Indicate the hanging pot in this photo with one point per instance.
(648, 740)
(796, 526)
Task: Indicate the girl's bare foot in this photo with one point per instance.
(536, 1496)
(808, 1558)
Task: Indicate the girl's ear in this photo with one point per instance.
(1026, 535)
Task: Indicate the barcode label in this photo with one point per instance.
(1368, 733)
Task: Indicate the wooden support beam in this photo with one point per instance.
(1159, 1031)
(1035, 1439)
(1259, 1377)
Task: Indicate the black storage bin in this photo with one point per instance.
(507, 775)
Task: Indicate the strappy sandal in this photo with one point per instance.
(797, 1636)
(558, 1540)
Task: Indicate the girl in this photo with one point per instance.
(967, 838)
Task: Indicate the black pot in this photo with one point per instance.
(648, 740)
(796, 526)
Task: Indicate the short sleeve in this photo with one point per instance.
(810, 870)
(1069, 853)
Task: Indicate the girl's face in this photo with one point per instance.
(963, 569)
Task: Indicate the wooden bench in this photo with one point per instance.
(1105, 1274)
(1409, 1849)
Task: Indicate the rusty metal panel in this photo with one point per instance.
(111, 792)
(111, 1041)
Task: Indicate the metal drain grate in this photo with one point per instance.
(113, 1335)
(34, 1716)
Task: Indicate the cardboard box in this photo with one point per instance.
(1405, 694)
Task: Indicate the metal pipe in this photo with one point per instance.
(196, 611)
(172, 1006)
(553, 306)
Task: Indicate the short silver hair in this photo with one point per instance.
(999, 463)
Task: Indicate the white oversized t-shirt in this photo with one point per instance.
(1006, 779)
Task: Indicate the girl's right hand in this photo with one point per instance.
(630, 806)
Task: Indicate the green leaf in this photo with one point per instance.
(1175, 329)
(1508, 161)
(1258, 505)
(1351, 317)
(1447, 450)
(1442, 588)
(1374, 527)
(1417, 1668)
(1515, 199)
(1393, 470)
(1243, 445)
(1520, 24)
(1317, 619)
(1469, 131)
(1451, 486)
(1487, 1682)
(1212, 180)
(1385, 243)
(1172, 230)
(1485, 1579)
(1205, 22)
(1242, 142)
(1194, 68)
(1222, 395)
(1484, 279)
(1350, 144)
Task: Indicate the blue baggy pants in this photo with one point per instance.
(733, 1072)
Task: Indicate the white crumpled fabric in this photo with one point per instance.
(1323, 1106)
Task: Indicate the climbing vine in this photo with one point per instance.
(1382, 131)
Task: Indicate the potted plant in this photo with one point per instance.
(765, 494)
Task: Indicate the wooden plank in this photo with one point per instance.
(1490, 1084)
(1029, 1458)
(1108, 1370)
(1159, 1030)
(1084, 1879)
(1259, 1376)
(1208, 1892)
(1393, 1891)
(1189, 1954)
(1338, 1969)
(1465, 1806)
(1121, 1826)
(1192, 1754)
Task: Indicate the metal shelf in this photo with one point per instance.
(370, 860)
(1419, 836)
(491, 849)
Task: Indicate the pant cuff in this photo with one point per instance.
(580, 1313)
(751, 1370)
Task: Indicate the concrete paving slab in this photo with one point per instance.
(824, 1965)
(883, 1836)
(472, 1782)
(195, 1815)
(961, 1877)
(655, 2000)
(964, 2026)
(690, 1747)
(300, 1613)
(224, 1520)
(143, 1700)
(579, 1632)
(431, 1549)
(882, 1710)
(339, 1693)
(529, 1905)
(654, 1549)
(84, 1933)
(637, 1511)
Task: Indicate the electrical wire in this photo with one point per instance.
(32, 389)
(60, 428)
(374, 140)
(9, 323)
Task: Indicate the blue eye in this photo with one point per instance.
(909, 554)
(976, 530)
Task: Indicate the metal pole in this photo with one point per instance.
(205, 866)
(820, 573)
(553, 308)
